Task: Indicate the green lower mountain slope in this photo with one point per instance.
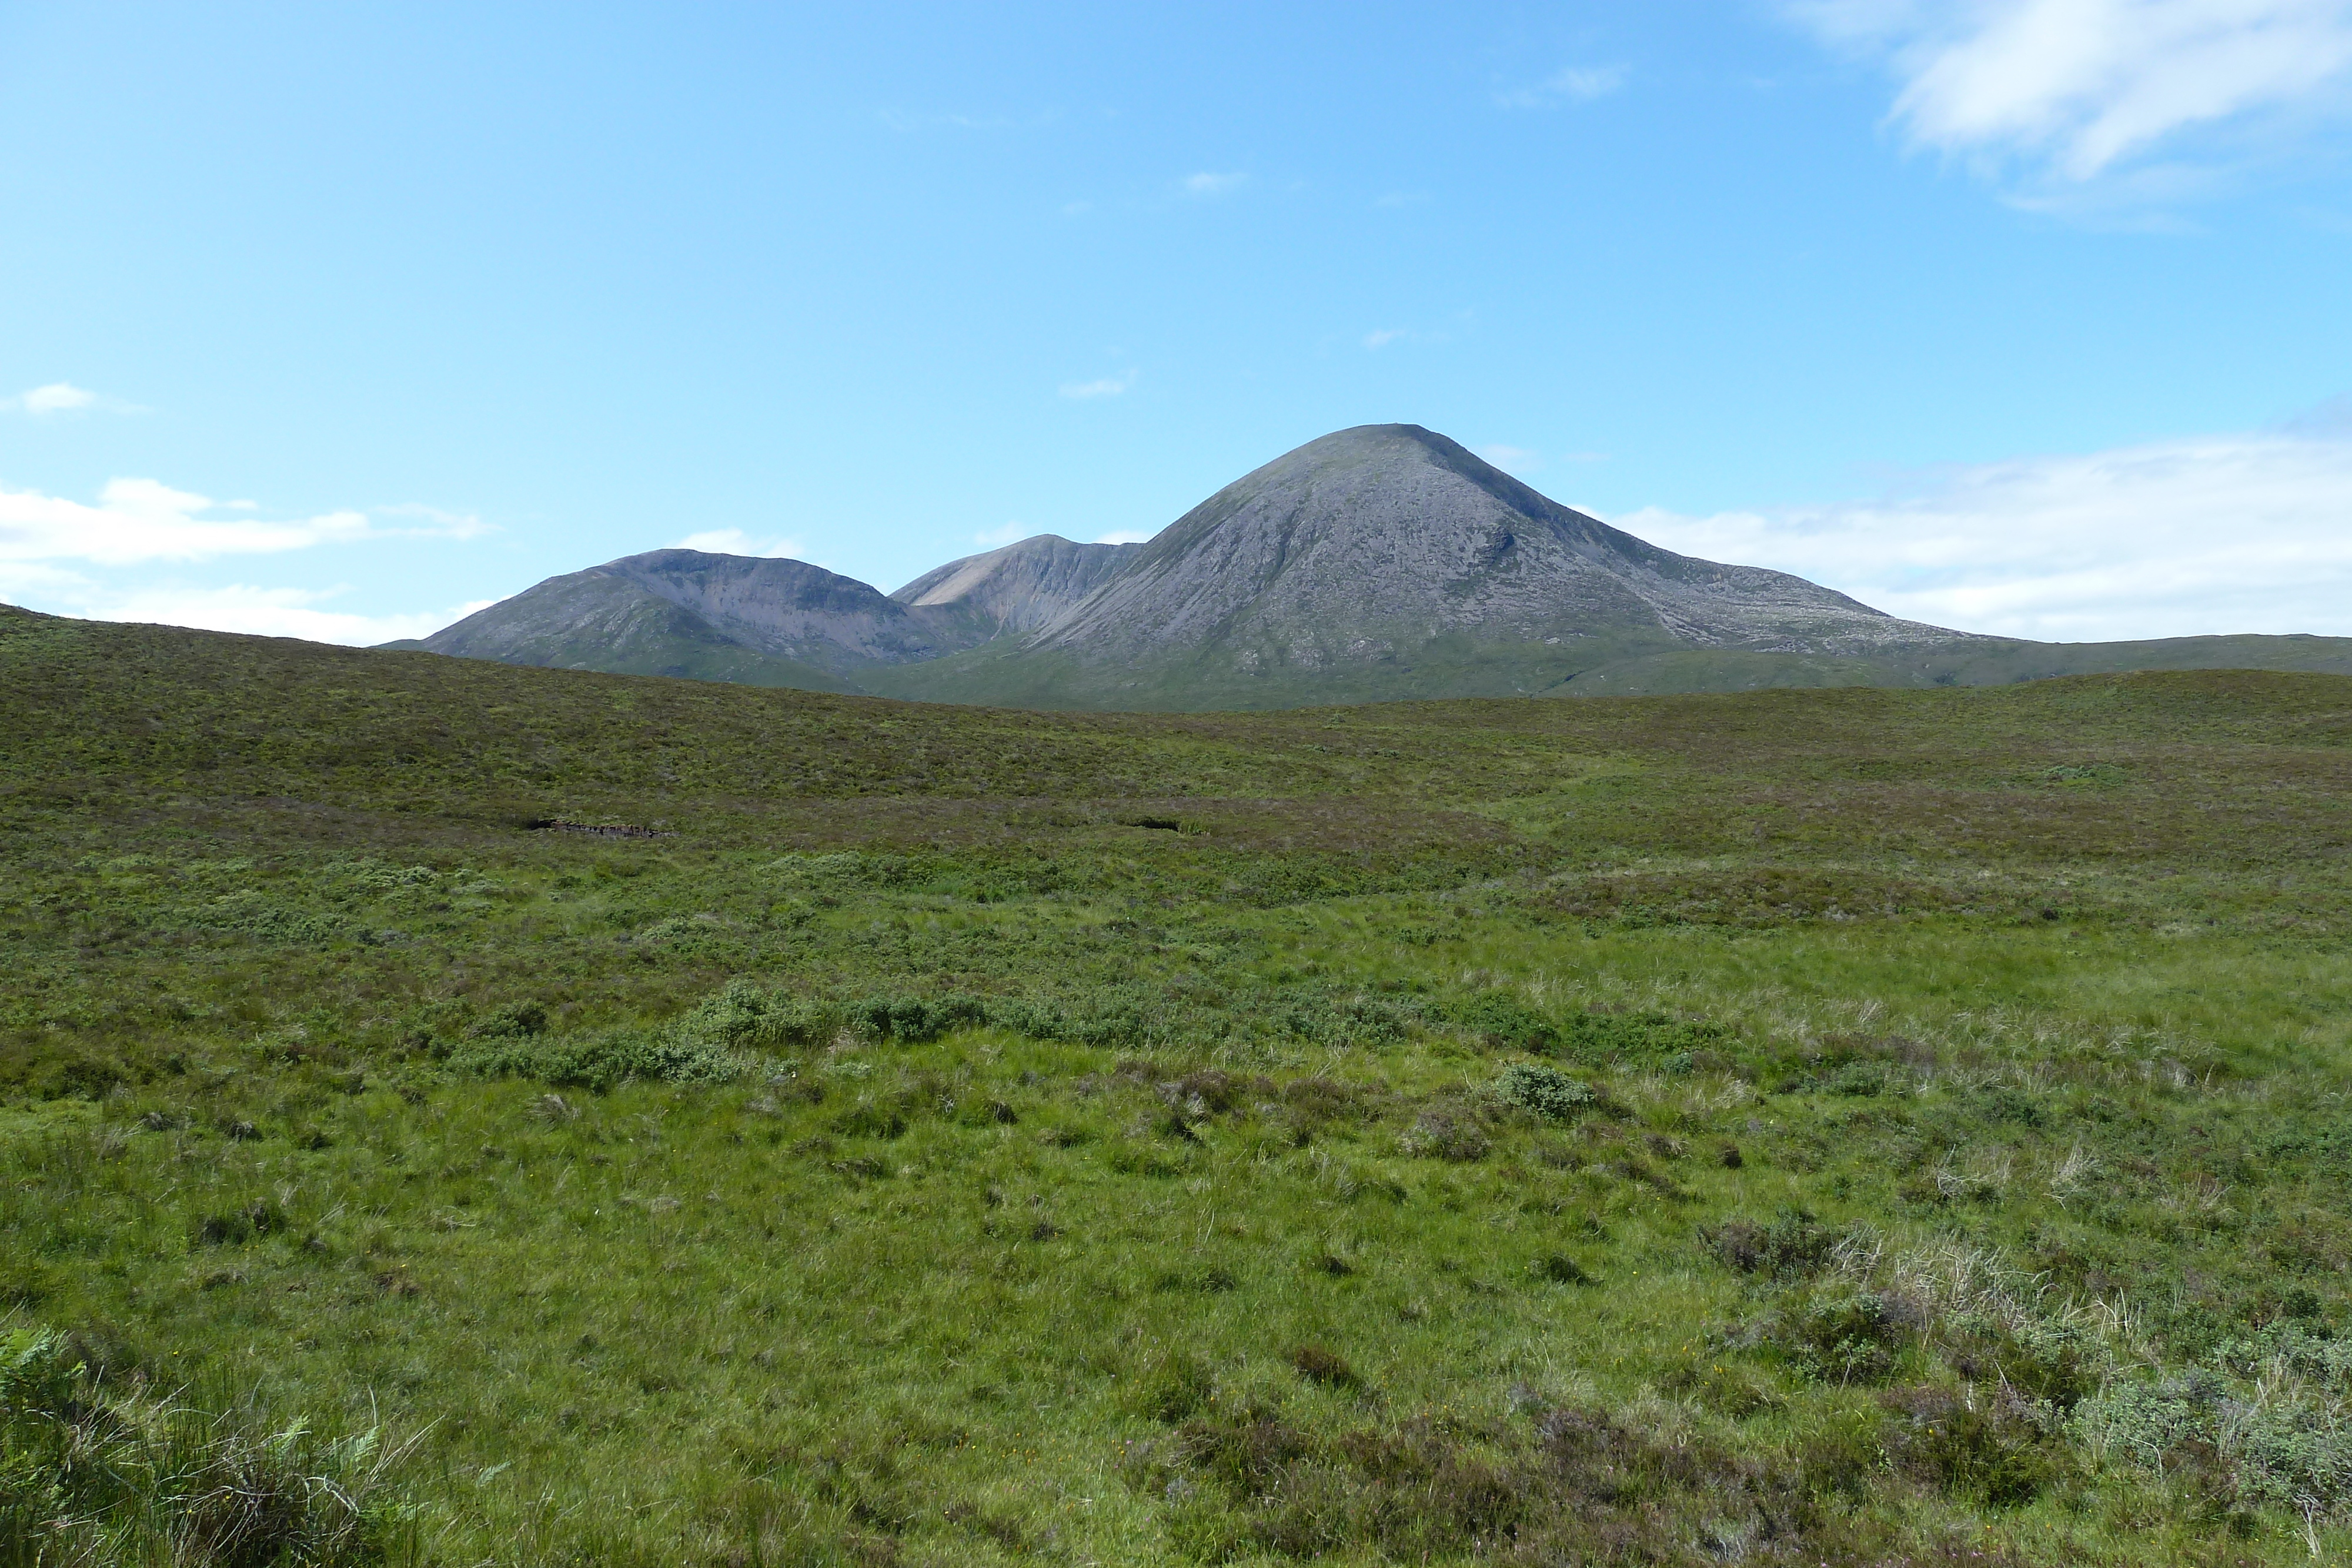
(1984, 664)
(1822, 1126)
(1458, 665)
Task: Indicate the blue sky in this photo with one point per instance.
(2029, 316)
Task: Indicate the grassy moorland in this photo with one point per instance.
(1828, 1126)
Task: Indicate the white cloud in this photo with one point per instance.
(1011, 533)
(1208, 184)
(139, 519)
(1124, 537)
(2077, 88)
(66, 556)
(64, 397)
(1574, 84)
(57, 397)
(271, 613)
(1108, 386)
(735, 541)
(263, 611)
(23, 582)
(2226, 534)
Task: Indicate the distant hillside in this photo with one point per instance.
(1023, 587)
(1376, 563)
(708, 617)
(769, 622)
(1389, 561)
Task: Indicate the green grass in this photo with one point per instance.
(1822, 1126)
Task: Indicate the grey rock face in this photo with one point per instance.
(1381, 562)
(786, 609)
(591, 609)
(1391, 535)
(1022, 586)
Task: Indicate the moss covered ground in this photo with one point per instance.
(1821, 1126)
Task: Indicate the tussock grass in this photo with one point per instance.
(1807, 1126)
(93, 1474)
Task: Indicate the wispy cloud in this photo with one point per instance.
(2233, 533)
(77, 558)
(1124, 537)
(271, 613)
(1573, 84)
(139, 520)
(64, 397)
(1209, 185)
(735, 541)
(1108, 386)
(1010, 534)
(2071, 91)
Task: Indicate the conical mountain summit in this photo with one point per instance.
(1386, 535)
(1381, 562)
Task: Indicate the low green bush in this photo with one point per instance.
(2263, 1446)
(603, 1060)
(1638, 1036)
(1841, 1336)
(1793, 1246)
(1506, 1023)
(1546, 1090)
(1969, 1445)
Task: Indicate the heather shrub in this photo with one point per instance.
(606, 1060)
(1546, 1090)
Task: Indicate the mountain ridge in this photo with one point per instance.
(1021, 587)
(1352, 512)
(1374, 563)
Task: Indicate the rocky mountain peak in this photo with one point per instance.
(1378, 539)
(1386, 560)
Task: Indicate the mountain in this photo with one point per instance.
(763, 622)
(1382, 562)
(1388, 560)
(1020, 588)
(1390, 535)
(710, 617)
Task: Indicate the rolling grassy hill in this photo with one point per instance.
(1799, 1125)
